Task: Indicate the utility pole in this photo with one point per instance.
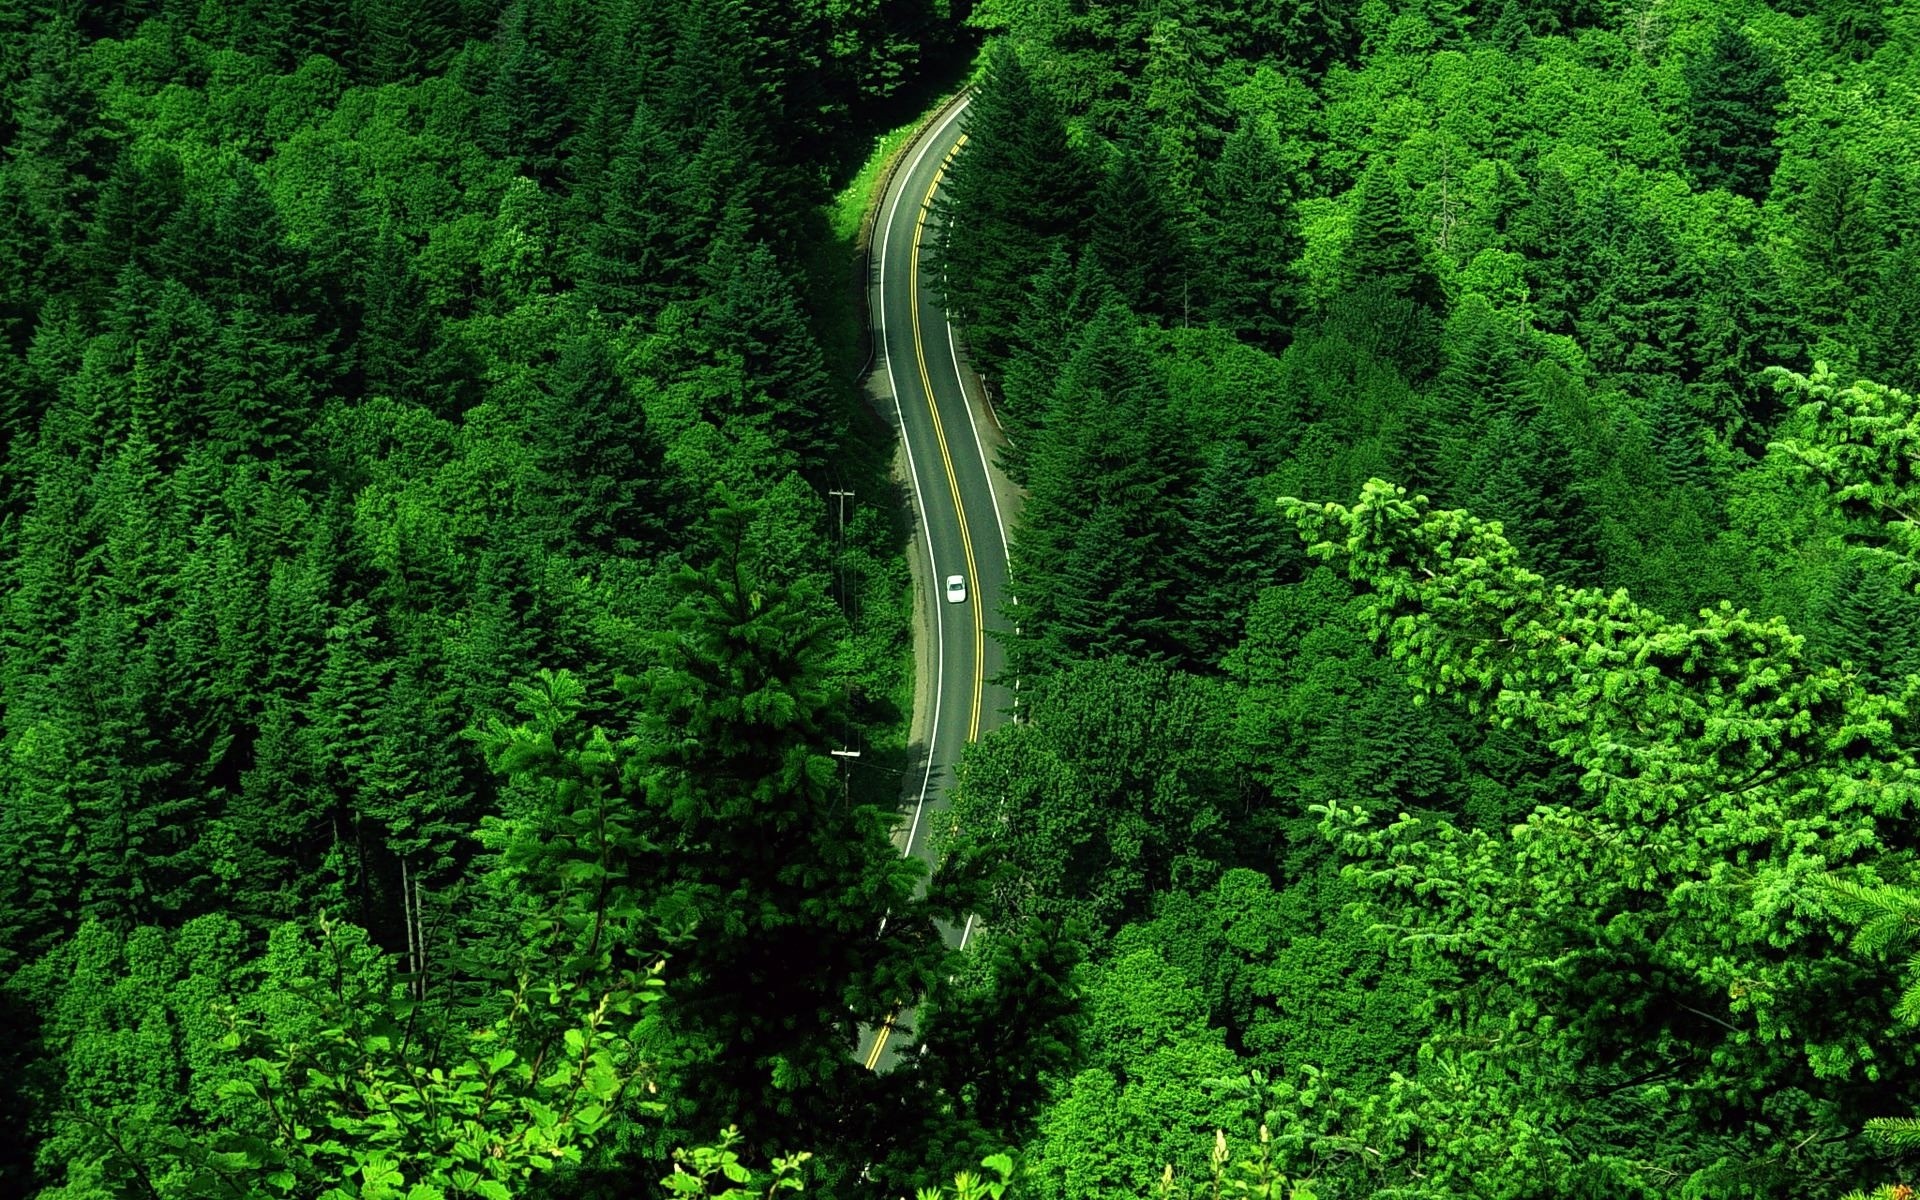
(840, 556)
(841, 494)
(846, 786)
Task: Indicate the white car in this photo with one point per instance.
(956, 589)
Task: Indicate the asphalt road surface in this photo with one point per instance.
(942, 419)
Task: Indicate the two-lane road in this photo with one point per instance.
(961, 533)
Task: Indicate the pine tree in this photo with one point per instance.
(1836, 241)
(1230, 547)
(1091, 558)
(1891, 320)
(1183, 107)
(1064, 298)
(641, 252)
(1547, 231)
(781, 881)
(1384, 249)
(1253, 239)
(403, 350)
(1872, 622)
(528, 97)
(1644, 316)
(1735, 93)
(1307, 36)
(602, 465)
(1141, 244)
(1017, 191)
(65, 147)
(755, 322)
(403, 40)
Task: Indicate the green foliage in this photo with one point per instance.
(1734, 93)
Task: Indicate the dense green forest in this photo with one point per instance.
(422, 612)
(1556, 850)
(1468, 594)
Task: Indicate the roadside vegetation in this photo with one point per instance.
(1467, 573)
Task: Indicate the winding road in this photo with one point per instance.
(946, 430)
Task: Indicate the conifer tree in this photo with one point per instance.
(1252, 239)
(401, 40)
(1891, 320)
(1384, 249)
(1308, 37)
(402, 348)
(1018, 190)
(1230, 547)
(1873, 623)
(1140, 244)
(1734, 93)
(1063, 298)
(65, 146)
(640, 254)
(529, 110)
(1547, 231)
(1090, 559)
(602, 464)
(783, 884)
(1836, 241)
(755, 321)
(1644, 316)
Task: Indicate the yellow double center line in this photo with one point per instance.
(946, 457)
(959, 511)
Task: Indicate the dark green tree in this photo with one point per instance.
(1837, 241)
(1141, 244)
(402, 40)
(783, 885)
(1383, 247)
(1734, 95)
(1230, 547)
(640, 253)
(1017, 191)
(601, 463)
(754, 321)
(1252, 239)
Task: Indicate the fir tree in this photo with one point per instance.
(1140, 244)
(756, 322)
(1734, 94)
(401, 40)
(1253, 239)
(640, 254)
(1016, 192)
(1836, 241)
(761, 847)
(1230, 547)
(1384, 249)
(602, 464)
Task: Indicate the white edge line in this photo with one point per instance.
(960, 380)
(933, 568)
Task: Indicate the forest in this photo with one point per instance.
(1469, 570)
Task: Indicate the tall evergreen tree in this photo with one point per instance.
(1141, 244)
(1252, 239)
(1064, 296)
(640, 254)
(601, 464)
(782, 882)
(1016, 191)
(1384, 249)
(1229, 548)
(1090, 561)
(755, 322)
(402, 40)
(1734, 96)
(1836, 241)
